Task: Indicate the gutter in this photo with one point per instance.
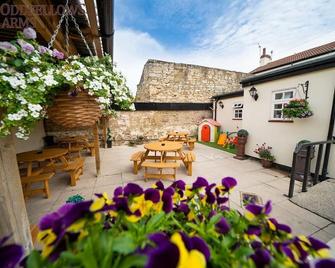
(294, 69)
(106, 22)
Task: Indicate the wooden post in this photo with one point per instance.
(96, 148)
(14, 220)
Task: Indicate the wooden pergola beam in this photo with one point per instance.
(39, 25)
(92, 17)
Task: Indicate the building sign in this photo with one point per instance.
(22, 16)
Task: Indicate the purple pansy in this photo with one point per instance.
(29, 33)
(165, 255)
(6, 46)
(152, 195)
(159, 185)
(182, 207)
(10, 255)
(132, 189)
(254, 230)
(57, 54)
(167, 199)
(197, 243)
(257, 209)
(199, 183)
(118, 191)
(26, 47)
(280, 226)
(179, 184)
(261, 257)
(221, 200)
(325, 263)
(228, 183)
(222, 226)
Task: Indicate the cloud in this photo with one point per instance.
(230, 40)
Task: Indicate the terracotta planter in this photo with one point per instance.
(266, 163)
(240, 148)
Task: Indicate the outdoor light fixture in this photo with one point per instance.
(221, 104)
(253, 93)
(305, 88)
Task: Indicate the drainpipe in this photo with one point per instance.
(106, 22)
(329, 137)
(215, 104)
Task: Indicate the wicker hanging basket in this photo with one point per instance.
(77, 111)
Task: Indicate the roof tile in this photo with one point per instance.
(310, 53)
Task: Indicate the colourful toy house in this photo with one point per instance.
(208, 130)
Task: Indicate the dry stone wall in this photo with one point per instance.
(150, 125)
(176, 82)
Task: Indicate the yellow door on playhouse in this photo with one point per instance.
(222, 139)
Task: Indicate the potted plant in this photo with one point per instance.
(265, 155)
(109, 138)
(297, 108)
(242, 137)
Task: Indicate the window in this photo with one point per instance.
(279, 99)
(237, 111)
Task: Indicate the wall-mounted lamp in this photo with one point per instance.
(305, 87)
(253, 93)
(221, 104)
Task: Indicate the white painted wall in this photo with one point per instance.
(225, 115)
(35, 141)
(284, 136)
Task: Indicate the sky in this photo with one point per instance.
(216, 33)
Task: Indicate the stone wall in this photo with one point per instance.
(131, 126)
(176, 82)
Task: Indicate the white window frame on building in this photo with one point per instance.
(238, 111)
(278, 101)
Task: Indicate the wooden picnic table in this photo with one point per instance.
(50, 155)
(177, 136)
(77, 144)
(163, 147)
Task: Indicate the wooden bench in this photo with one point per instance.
(189, 159)
(190, 143)
(75, 168)
(160, 166)
(137, 158)
(28, 180)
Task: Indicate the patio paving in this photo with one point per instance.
(213, 164)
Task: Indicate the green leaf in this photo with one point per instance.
(133, 261)
(124, 244)
(35, 260)
(154, 222)
(17, 62)
(193, 226)
(243, 252)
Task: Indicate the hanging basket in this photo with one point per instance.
(77, 111)
(297, 109)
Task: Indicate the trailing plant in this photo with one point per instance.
(264, 152)
(297, 108)
(31, 75)
(176, 226)
(242, 133)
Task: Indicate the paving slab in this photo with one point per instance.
(213, 164)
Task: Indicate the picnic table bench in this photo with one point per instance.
(162, 159)
(180, 137)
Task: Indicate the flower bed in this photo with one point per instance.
(31, 75)
(176, 226)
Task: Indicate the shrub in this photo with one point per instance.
(242, 133)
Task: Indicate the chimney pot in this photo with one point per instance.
(265, 58)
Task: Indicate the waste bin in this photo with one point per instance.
(301, 162)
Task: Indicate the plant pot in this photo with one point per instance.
(109, 144)
(266, 163)
(240, 148)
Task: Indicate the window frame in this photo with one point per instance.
(238, 111)
(282, 102)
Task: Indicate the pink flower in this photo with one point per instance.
(57, 54)
(26, 47)
(29, 33)
(6, 46)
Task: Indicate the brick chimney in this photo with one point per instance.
(265, 58)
